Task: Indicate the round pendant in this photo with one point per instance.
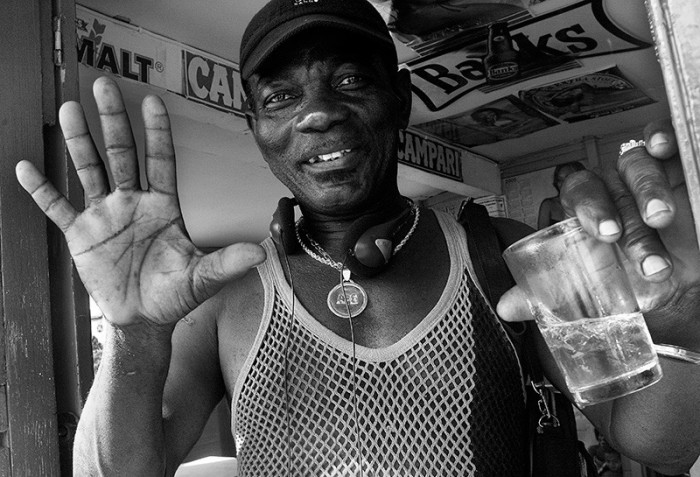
(348, 296)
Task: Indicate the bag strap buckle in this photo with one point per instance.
(548, 419)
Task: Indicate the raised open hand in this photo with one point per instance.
(129, 245)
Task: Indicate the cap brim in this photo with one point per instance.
(282, 33)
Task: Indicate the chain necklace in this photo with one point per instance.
(347, 299)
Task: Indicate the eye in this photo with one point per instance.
(278, 99)
(352, 81)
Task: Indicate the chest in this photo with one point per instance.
(425, 396)
(397, 300)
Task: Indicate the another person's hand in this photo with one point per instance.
(130, 245)
(642, 204)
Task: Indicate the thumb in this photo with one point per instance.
(214, 270)
(513, 306)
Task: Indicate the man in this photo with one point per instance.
(421, 380)
(551, 211)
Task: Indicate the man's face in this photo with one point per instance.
(562, 174)
(326, 112)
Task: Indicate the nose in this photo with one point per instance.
(321, 112)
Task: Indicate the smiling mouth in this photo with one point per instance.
(329, 157)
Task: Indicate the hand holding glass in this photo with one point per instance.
(584, 306)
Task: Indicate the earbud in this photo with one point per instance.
(371, 241)
(282, 225)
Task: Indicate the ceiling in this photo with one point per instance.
(216, 27)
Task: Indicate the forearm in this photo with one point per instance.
(121, 427)
(660, 426)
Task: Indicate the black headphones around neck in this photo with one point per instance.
(369, 240)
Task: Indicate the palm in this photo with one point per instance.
(138, 239)
(129, 245)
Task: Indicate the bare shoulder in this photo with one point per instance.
(220, 329)
(240, 304)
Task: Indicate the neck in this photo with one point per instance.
(329, 231)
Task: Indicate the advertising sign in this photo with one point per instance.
(211, 82)
(431, 26)
(541, 46)
(587, 97)
(136, 54)
(584, 97)
(505, 118)
(430, 154)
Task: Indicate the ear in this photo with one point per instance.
(248, 112)
(402, 88)
(250, 121)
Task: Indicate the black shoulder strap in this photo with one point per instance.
(486, 251)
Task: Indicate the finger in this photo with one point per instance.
(513, 306)
(640, 243)
(52, 203)
(87, 161)
(217, 268)
(160, 155)
(584, 195)
(647, 182)
(118, 137)
(660, 139)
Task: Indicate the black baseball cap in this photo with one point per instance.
(280, 20)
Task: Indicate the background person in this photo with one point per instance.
(551, 210)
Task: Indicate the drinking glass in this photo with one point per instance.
(585, 308)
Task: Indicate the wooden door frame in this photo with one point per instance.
(674, 24)
(70, 306)
(40, 390)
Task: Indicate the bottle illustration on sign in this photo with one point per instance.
(501, 62)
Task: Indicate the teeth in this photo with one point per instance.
(328, 157)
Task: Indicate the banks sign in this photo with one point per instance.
(546, 44)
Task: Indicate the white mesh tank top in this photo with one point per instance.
(445, 400)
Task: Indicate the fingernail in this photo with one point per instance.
(657, 140)
(608, 227)
(654, 264)
(656, 206)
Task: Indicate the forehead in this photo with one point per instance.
(323, 45)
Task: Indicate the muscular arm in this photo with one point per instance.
(120, 431)
(136, 260)
(151, 398)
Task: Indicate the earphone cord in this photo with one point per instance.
(288, 436)
(358, 441)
